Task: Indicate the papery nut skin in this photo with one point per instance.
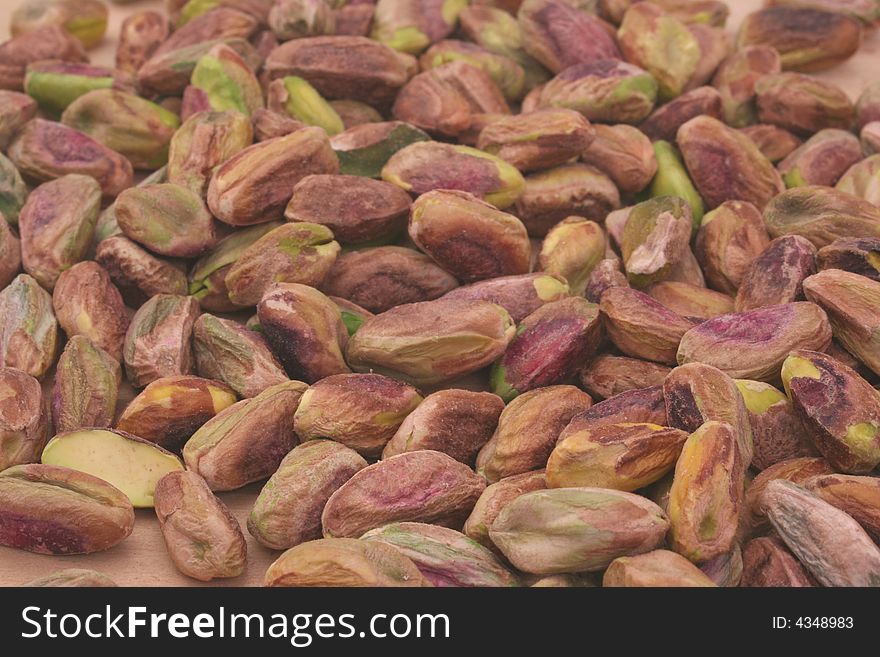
(520, 295)
(446, 557)
(850, 301)
(56, 226)
(830, 544)
(292, 253)
(858, 256)
(807, 39)
(802, 104)
(10, 253)
(203, 538)
(247, 441)
(158, 341)
(753, 344)
(365, 150)
(361, 411)
(662, 44)
(423, 486)
(566, 530)
(468, 237)
(167, 219)
(431, 342)
(549, 347)
(305, 331)
(139, 36)
(207, 278)
(774, 142)
(87, 381)
(425, 166)
(777, 275)
(697, 393)
(798, 470)
(133, 268)
(821, 160)
(625, 154)
(735, 81)
(16, 109)
(494, 498)
(558, 35)
(49, 42)
(344, 562)
(170, 68)
(73, 577)
(705, 143)
(87, 303)
(383, 277)
(24, 418)
(287, 511)
(29, 330)
(691, 300)
(226, 81)
(822, 215)
(343, 67)
(443, 101)
(455, 422)
(641, 327)
(528, 429)
(537, 140)
(839, 409)
(604, 90)
(729, 239)
(645, 405)
(130, 125)
(227, 351)
(777, 432)
(569, 190)
(626, 456)
(706, 497)
(13, 191)
(203, 142)
(194, 401)
(665, 121)
(767, 562)
(255, 185)
(857, 496)
(506, 73)
(657, 568)
(355, 208)
(606, 375)
(54, 510)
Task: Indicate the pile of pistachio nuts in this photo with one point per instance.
(539, 293)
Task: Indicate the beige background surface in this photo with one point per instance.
(141, 560)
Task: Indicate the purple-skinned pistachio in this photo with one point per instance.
(549, 347)
(56, 226)
(753, 344)
(159, 339)
(228, 81)
(130, 125)
(45, 150)
(228, 352)
(87, 303)
(87, 382)
(558, 35)
(383, 277)
(24, 418)
(305, 331)
(168, 219)
(298, 252)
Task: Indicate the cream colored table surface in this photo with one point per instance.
(141, 560)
